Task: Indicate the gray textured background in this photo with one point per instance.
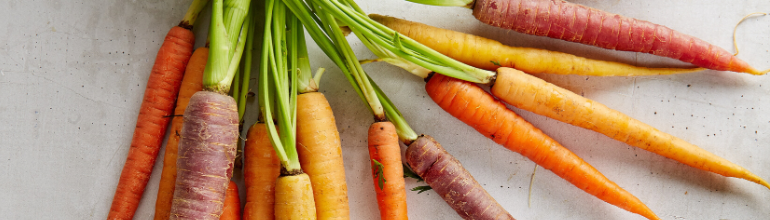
(72, 76)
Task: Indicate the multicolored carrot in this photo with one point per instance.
(157, 105)
(471, 104)
(577, 23)
(533, 94)
(191, 83)
(337, 48)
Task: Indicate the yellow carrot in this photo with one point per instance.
(536, 95)
(320, 155)
(490, 54)
(293, 198)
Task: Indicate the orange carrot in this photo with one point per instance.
(191, 83)
(387, 170)
(261, 168)
(540, 97)
(477, 108)
(157, 106)
(232, 208)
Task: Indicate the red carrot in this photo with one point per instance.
(452, 181)
(206, 153)
(577, 23)
(157, 106)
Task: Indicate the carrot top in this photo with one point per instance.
(328, 35)
(278, 82)
(225, 50)
(373, 33)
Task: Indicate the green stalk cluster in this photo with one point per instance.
(326, 32)
(278, 81)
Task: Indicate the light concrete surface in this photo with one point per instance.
(72, 75)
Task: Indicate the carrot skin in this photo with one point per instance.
(444, 173)
(191, 83)
(294, 198)
(206, 154)
(320, 155)
(582, 24)
(472, 105)
(384, 147)
(261, 168)
(158, 103)
(540, 97)
(478, 52)
(232, 207)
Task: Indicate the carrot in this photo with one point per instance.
(320, 154)
(538, 96)
(451, 181)
(209, 135)
(388, 173)
(206, 153)
(278, 93)
(260, 170)
(191, 83)
(477, 108)
(294, 198)
(577, 23)
(337, 48)
(157, 105)
(232, 206)
(489, 54)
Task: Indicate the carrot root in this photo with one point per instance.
(540, 97)
(232, 207)
(162, 89)
(471, 104)
(451, 181)
(191, 83)
(320, 155)
(261, 168)
(490, 54)
(389, 184)
(294, 198)
(206, 154)
(577, 23)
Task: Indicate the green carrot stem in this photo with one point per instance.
(192, 13)
(247, 62)
(455, 3)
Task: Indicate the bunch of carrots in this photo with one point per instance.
(292, 157)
